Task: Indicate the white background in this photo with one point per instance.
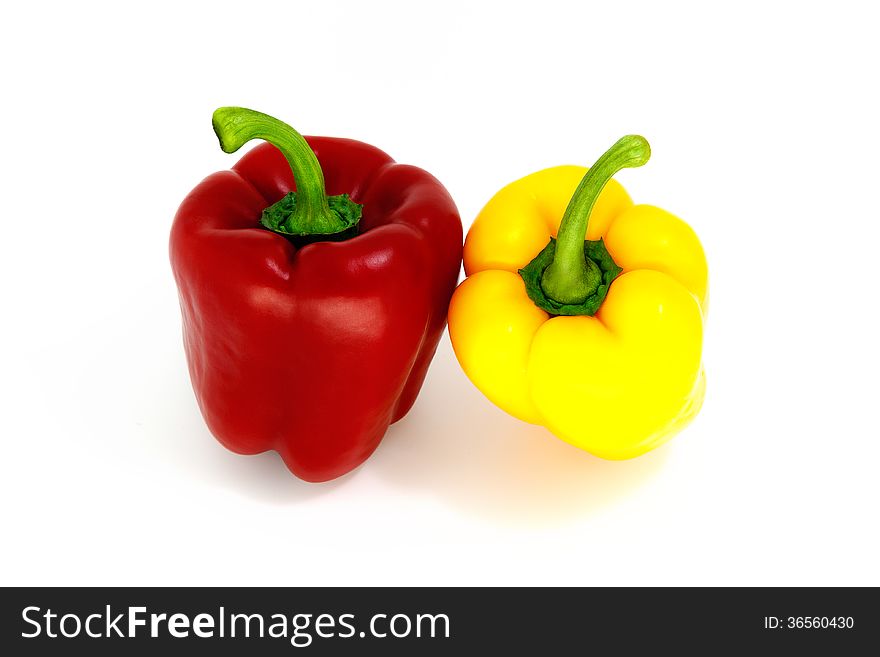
(763, 121)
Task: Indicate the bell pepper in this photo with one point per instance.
(309, 320)
(583, 312)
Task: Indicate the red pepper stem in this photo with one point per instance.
(308, 212)
(571, 277)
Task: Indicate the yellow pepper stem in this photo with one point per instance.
(572, 277)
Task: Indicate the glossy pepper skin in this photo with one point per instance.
(314, 350)
(617, 381)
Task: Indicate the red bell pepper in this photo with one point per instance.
(309, 320)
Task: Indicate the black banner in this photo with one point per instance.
(410, 621)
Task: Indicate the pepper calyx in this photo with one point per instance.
(340, 223)
(598, 260)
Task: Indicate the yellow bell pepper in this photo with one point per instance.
(583, 312)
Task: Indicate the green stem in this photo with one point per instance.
(572, 277)
(308, 212)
